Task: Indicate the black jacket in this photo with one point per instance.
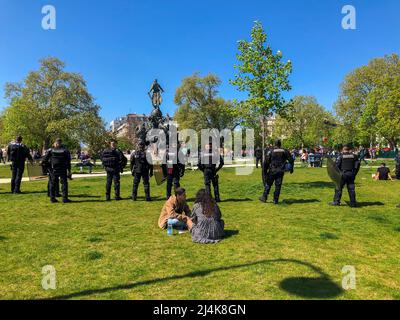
(276, 160)
(17, 153)
(57, 161)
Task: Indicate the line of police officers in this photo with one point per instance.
(277, 161)
(173, 169)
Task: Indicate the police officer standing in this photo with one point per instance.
(141, 168)
(348, 164)
(58, 162)
(173, 168)
(17, 153)
(208, 165)
(275, 164)
(259, 155)
(114, 162)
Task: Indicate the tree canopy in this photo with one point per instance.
(304, 125)
(368, 104)
(51, 103)
(200, 107)
(264, 76)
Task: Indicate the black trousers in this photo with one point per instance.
(271, 179)
(146, 183)
(210, 177)
(348, 180)
(258, 161)
(17, 174)
(113, 176)
(172, 179)
(55, 179)
(57, 187)
(398, 171)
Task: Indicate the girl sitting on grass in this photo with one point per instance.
(205, 224)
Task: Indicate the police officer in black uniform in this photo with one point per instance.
(141, 168)
(348, 164)
(208, 165)
(277, 161)
(114, 162)
(259, 155)
(173, 168)
(58, 162)
(17, 153)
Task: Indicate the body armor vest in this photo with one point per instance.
(348, 162)
(111, 159)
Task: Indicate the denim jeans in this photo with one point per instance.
(177, 224)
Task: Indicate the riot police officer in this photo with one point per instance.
(17, 153)
(141, 168)
(58, 162)
(114, 162)
(259, 155)
(277, 161)
(208, 165)
(348, 164)
(173, 168)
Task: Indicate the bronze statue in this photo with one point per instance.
(155, 94)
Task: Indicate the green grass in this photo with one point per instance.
(115, 250)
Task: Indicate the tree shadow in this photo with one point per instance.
(311, 288)
(320, 287)
(299, 201)
(3, 238)
(230, 233)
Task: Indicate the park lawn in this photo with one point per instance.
(115, 250)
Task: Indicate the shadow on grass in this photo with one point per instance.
(321, 287)
(237, 200)
(299, 201)
(2, 238)
(313, 184)
(230, 233)
(84, 196)
(368, 204)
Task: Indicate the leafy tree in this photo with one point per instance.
(385, 98)
(304, 125)
(357, 105)
(49, 103)
(264, 76)
(200, 107)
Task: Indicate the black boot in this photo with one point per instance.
(353, 201)
(147, 193)
(108, 198)
(263, 199)
(216, 193)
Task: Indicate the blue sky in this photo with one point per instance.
(121, 46)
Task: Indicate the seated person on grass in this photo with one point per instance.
(205, 224)
(383, 173)
(175, 211)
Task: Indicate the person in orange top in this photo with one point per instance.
(176, 211)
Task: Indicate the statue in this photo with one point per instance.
(141, 132)
(155, 94)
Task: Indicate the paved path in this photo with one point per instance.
(102, 174)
